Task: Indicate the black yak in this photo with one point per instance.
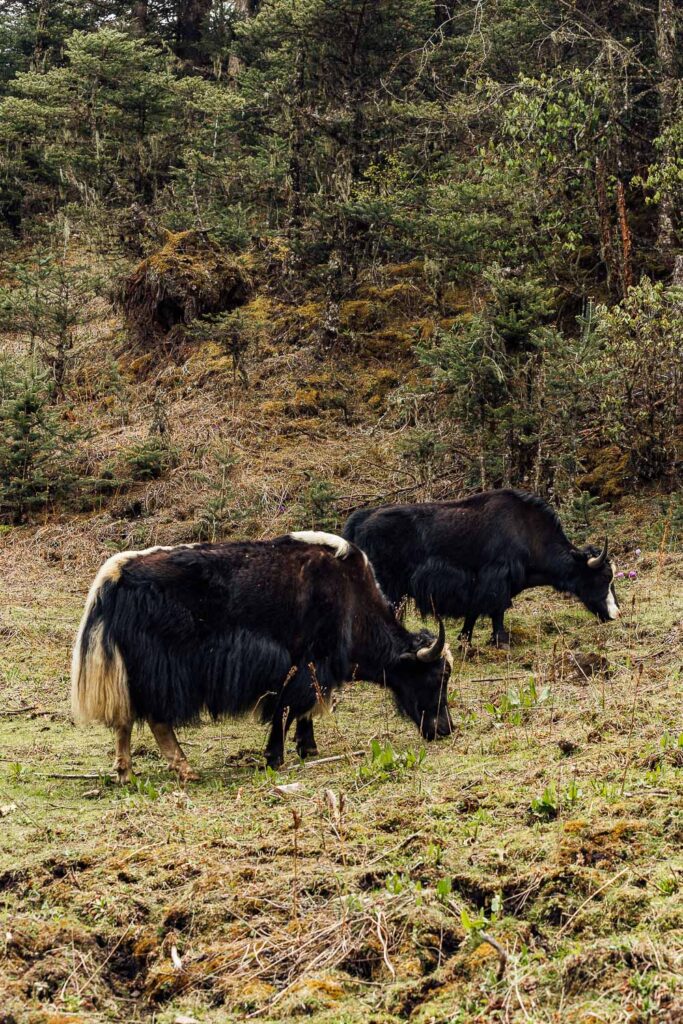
(273, 626)
(471, 557)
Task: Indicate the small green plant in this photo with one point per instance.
(515, 706)
(218, 510)
(150, 459)
(395, 884)
(266, 776)
(444, 888)
(547, 806)
(671, 741)
(386, 763)
(472, 825)
(37, 446)
(143, 788)
(667, 885)
(434, 853)
(17, 772)
(317, 505)
(609, 791)
(586, 511)
(474, 925)
(573, 794)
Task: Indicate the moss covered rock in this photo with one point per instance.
(189, 276)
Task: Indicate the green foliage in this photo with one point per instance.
(505, 368)
(237, 335)
(47, 301)
(218, 510)
(516, 705)
(548, 806)
(97, 126)
(585, 508)
(317, 505)
(327, 139)
(665, 174)
(638, 354)
(37, 449)
(386, 763)
(150, 459)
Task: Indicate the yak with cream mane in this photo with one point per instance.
(269, 626)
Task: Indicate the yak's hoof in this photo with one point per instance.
(502, 642)
(305, 752)
(123, 774)
(185, 773)
(274, 761)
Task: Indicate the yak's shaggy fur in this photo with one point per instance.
(471, 557)
(270, 626)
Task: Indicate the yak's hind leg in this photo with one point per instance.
(172, 751)
(500, 637)
(123, 764)
(305, 737)
(275, 747)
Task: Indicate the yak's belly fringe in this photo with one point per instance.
(99, 683)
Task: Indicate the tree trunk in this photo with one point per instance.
(190, 24)
(42, 38)
(140, 18)
(245, 9)
(625, 231)
(297, 148)
(668, 87)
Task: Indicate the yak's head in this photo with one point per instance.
(594, 582)
(418, 679)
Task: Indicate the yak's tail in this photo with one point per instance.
(99, 680)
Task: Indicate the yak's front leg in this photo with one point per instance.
(275, 747)
(172, 751)
(500, 637)
(305, 737)
(468, 627)
(123, 764)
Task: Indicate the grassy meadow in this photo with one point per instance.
(527, 869)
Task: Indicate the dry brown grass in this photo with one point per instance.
(218, 902)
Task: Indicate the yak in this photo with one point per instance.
(269, 626)
(467, 558)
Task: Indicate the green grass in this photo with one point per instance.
(551, 821)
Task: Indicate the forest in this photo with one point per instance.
(266, 262)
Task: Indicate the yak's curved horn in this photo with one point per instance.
(597, 561)
(433, 653)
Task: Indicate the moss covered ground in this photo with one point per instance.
(365, 887)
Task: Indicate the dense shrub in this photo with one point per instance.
(37, 448)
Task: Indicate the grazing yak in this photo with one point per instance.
(471, 557)
(273, 626)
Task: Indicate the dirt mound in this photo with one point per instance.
(189, 276)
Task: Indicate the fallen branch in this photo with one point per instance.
(502, 953)
(327, 760)
(85, 775)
